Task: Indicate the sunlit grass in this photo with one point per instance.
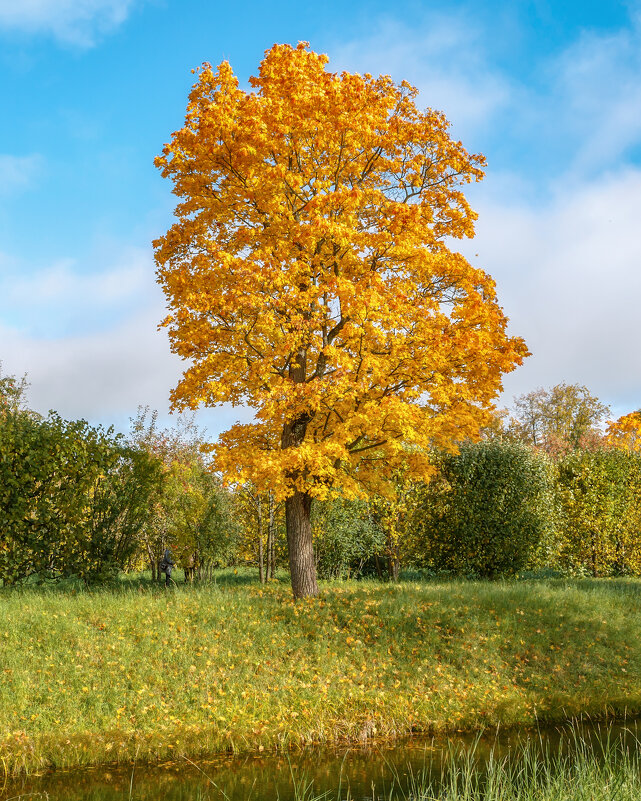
(607, 771)
(99, 676)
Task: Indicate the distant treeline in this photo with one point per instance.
(543, 489)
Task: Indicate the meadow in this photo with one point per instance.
(134, 672)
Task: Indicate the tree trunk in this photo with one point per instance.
(152, 561)
(299, 544)
(261, 561)
(393, 560)
(270, 538)
(393, 567)
(298, 507)
(379, 570)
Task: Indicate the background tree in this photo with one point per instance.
(307, 276)
(259, 518)
(190, 511)
(347, 540)
(12, 392)
(198, 512)
(564, 417)
(394, 514)
(625, 433)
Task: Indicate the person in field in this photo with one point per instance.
(167, 565)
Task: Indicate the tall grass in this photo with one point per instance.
(588, 771)
(98, 676)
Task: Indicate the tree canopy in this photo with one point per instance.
(564, 417)
(625, 433)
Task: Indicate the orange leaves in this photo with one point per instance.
(307, 274)
(625, 433)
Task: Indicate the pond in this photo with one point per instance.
(376, 771)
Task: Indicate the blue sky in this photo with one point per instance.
(549, 91)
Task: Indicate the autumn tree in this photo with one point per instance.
(564, 417)
(625, 433)
(308, 276)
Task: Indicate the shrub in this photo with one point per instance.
(599, 495)
(487, 511)
(72, 497)
(345, 538)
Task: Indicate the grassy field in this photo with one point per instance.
(134, 671)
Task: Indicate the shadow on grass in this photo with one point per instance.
(141, 581)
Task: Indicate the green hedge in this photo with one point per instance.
(72, 497)
(599, 499)
(487, 513)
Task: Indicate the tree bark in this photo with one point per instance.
(261, 561)
(152, 561)
(298, 507)
(271, 537)
(393, 560)
(393, 567)
(299, 544)
(379, 570)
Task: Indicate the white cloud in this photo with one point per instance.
(90, 343)
(443, 56)
(93, 374)
(580, 113)
(73, 21)
(103, 377)
(569, 278)
(17, 172)
(61, 299)
(596, 95)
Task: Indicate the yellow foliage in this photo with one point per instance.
(625, 433)
(307, 276)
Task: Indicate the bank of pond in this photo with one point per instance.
(133, 673)
(579, 761)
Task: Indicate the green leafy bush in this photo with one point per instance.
(345, 538)
(72, 497)
(599, 496)
(487, 512)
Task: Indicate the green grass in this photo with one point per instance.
(584, 771)
(606, 771)
(134, 671)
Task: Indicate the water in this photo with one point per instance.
(367, 772)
